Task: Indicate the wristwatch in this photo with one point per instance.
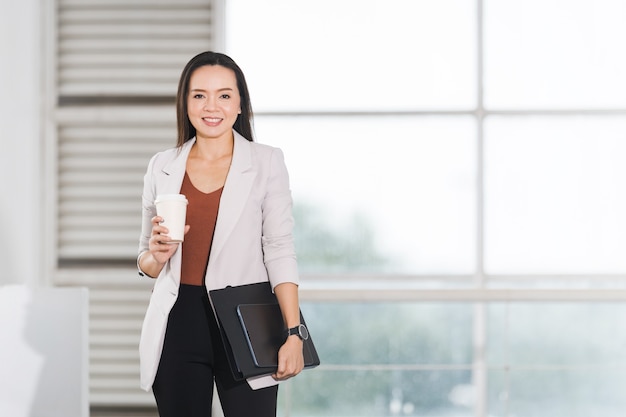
(300, 330)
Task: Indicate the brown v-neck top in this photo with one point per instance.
(201, 216)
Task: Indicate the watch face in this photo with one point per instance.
(304, 332)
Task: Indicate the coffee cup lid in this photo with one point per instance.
(170, 197)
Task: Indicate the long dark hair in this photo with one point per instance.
(243, 124)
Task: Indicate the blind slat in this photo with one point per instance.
(160, 75)
(111, 45)
(112, 116)
(128, 4)
(100, 248)
(113, 90)
(113, 207)
(122, 16)
(114, 340)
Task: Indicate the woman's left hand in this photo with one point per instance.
(290, 359)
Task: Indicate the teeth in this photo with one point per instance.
(212, 119)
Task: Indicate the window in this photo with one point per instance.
(456, 170)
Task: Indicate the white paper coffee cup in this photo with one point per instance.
(173, 209)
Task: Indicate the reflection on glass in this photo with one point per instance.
(380, 193)
(355, 54)
(554, 54)
(554, 195)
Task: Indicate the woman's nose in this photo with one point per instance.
(209, 104)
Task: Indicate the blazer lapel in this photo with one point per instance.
(169, 182)
(174, 171)
(235, 194)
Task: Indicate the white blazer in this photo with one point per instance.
(252, 242)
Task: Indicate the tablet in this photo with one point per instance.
(264, 330)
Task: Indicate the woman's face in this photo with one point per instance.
(213, 102)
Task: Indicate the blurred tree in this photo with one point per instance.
(324, 249)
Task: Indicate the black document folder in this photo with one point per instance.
(253, 330)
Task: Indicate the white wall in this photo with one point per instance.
(44, 352)
(21, 161)
(44, 348)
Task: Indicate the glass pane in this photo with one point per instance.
(380, 194)
(384, 359)
(391, 333)
(364, 393)
(554, 54)
(563, 334)
(355, 54)
(554, 195)
(556, 359)
(557, 393)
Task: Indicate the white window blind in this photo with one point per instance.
(103, 154)
(117, 69)
(128, 48)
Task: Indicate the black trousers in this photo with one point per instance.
(193, 358)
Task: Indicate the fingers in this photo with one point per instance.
(290, 363)
(160, 243)
(159, 232)
(287, 371)
(156, 226)
(158, 229)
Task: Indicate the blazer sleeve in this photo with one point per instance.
(277, 230)
(148, 210)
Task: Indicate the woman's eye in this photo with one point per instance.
(197, 96)
(225, 96)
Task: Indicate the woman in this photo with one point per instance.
(239, 231)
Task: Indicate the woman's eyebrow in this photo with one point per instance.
(220, 89)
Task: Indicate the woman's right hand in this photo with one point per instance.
(159, 248)
(158, 245)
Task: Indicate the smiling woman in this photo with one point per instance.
(239, 231)
(220, 84)
(213, 103)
